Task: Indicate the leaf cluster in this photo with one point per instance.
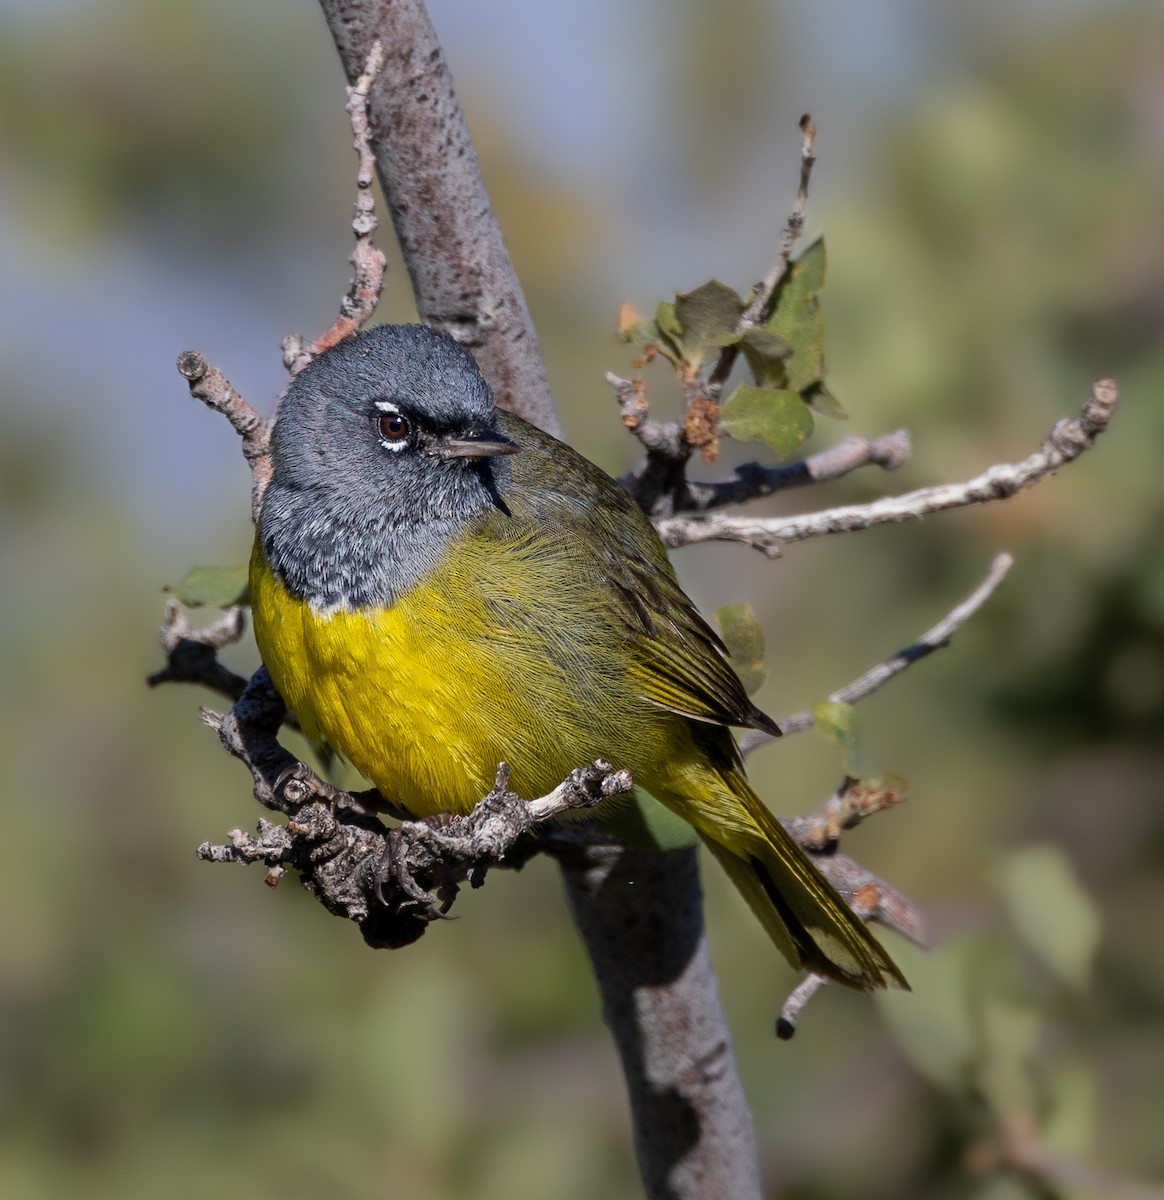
(783, 350)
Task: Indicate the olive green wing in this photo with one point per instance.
(678, 661)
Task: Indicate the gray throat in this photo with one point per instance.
(336, 557)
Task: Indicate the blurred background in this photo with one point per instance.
(991, 185)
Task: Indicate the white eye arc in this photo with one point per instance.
(394, 427)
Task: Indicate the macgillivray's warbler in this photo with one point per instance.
(438, 586)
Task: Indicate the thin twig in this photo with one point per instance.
(209, 385)
(753, 480)
(933, 639)
(762, 292)
(659, 485)
(657, 437)
(793, 226)
(192, 654)
(462, 278)
(871, 898)
(1066, 442)
(367, 259)
(794, 1005)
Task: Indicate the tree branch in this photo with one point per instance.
(367, 259)
(391, 882)
(192, 654)
(693, 1131)
(877, 677)
(461, 275)
(209, 385)
(1066, 442)
(659, 484)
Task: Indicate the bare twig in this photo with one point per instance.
(661, 437)
(793, 227)
(209, 385)
(1066, 442)
(367, 260)
(795, 1004)
(933, 639)
(659, 485)
(871, 898)
(753, 480)
(192, 654)
(462, 278)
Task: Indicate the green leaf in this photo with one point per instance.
(1052, 914)
(707, 319)
(216, 586)
(821, 400)
(670, 332)
(744, 639)
(837, 721)
(666, 320)
(778, 417)
(796, 317)
(766, 353)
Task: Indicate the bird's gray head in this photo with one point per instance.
(384, 447)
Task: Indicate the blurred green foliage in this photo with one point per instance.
(171, 1029)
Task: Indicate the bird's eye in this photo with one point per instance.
(394, 427)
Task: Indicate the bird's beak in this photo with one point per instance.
(475, 443)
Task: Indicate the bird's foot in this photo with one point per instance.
(397, 868)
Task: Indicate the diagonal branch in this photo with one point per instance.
(209, 385)
(757, 308)
(368, 261)
(877, 677)
(1068, 440)
(659, 484)
(753, 480)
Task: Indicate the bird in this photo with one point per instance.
(438, 586)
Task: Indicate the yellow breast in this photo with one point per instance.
(425, 697)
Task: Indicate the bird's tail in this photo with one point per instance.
(802, 912)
